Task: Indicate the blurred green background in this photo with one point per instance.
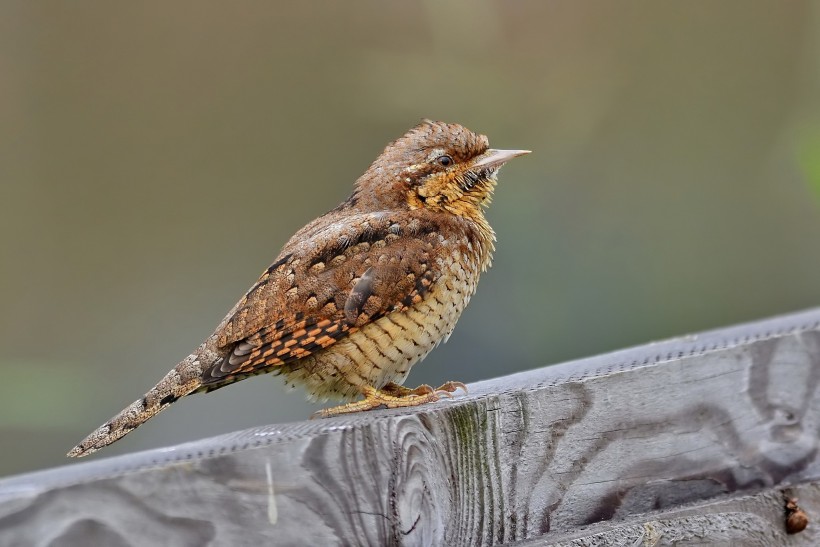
(155, 156)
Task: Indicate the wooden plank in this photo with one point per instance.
(531, 456)
(755, 520)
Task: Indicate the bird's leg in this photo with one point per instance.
(394, 396)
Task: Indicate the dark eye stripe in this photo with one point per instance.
(469, 179)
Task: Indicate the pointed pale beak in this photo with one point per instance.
(496, 158)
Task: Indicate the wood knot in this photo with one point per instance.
(796, 518)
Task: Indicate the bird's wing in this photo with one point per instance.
(323, 289)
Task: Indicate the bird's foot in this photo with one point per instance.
(444, 390)
(451, 387)
(392, 396)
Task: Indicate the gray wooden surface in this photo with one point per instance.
(702, 423)
(751, 521)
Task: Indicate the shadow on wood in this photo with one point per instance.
(664, 437)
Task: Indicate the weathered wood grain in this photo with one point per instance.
(752, 521)
(529, 457)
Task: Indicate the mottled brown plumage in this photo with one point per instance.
(360, 294)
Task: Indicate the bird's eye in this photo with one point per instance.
(444, 161)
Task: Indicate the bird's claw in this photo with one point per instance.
(451, 387)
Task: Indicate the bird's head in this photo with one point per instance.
(438, 166)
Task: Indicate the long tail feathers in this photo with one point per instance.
(168, 390)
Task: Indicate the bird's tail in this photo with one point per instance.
(181, 381)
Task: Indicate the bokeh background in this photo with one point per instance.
(154, 157)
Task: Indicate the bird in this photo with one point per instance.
(362, 293)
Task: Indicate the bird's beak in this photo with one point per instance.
(496, 158)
